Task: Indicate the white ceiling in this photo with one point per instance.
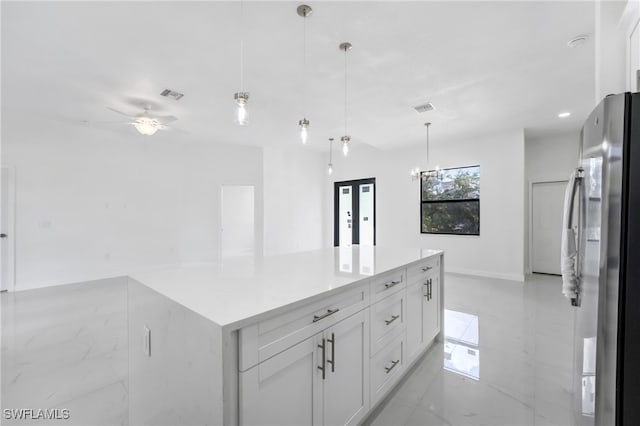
(487, 66)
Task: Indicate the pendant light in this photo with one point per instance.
(345, 46)
(330, 165)
(241, 97)
(304, 11)
(415, 172)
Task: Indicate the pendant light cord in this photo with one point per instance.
(345, 91)
(428, 144)
(330, 150)
(304, 64)
(242, 46)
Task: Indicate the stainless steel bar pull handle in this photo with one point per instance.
(393, 318)
(317, 318)
(324, 359)
(430, 288)
(393, 364)
(332, 361)
(391, 284)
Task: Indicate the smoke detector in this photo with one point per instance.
(171, 94)
(424, 108)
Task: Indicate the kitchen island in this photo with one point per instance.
(316, 337)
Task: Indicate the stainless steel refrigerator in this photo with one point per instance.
(605, 209)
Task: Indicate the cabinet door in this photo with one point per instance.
(346, 387)
(414, 342)
(283, 390)
(431, 310)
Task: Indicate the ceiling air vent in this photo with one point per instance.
(424, 108)
(171, 94)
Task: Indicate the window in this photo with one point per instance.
(450, 201)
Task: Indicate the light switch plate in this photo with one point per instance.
(147, 341)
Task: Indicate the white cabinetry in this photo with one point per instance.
(424, 306)
(323, 380)
(283, 390)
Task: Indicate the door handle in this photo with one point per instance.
(3, 235)
(430, 288)
(324, 359)
(393, 364)
(333, 352)
(329, 312)
(428, 268)
(391, 284)
(393, 318)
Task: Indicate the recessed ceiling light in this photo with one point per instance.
(564, 114)
(578, 41)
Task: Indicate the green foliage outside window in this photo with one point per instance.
(450, 201)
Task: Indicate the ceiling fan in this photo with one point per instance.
(146, 123)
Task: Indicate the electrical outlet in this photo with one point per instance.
(147, 341)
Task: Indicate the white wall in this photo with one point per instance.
(498, 251)
(94, 203)
(610, 49)
(548, 157)
(294, 181)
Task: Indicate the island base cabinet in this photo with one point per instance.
(423, 312)
(431, 309)
(282, 389)
(414, 340)
(346, 388)
(322, 380)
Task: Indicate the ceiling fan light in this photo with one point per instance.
(146, 126)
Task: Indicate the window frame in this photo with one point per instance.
(447, 202)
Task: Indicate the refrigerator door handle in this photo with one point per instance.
(574, 273)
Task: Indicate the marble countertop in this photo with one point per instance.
(240, 291)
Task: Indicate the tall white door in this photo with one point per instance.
(547, 203)
(7, 239)
(238, 236)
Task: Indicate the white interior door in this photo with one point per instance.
(238, 236)
(547, 203)
(7, 235)
(366, 218)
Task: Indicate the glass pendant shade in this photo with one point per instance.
(241, 107)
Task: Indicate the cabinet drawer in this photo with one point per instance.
(386, 368)
(426, 269)
(387, 318)
(266, 338)
(388, 284)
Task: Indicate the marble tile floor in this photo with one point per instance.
(508, 355)
(507, 358)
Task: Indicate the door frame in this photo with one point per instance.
(256, 248)
(11, 231)
(556, 179)
(355, 207)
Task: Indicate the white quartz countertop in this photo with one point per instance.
(240, 291)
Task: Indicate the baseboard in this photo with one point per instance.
(486, 274)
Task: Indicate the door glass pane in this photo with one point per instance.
(366, 214)
(345, 216)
